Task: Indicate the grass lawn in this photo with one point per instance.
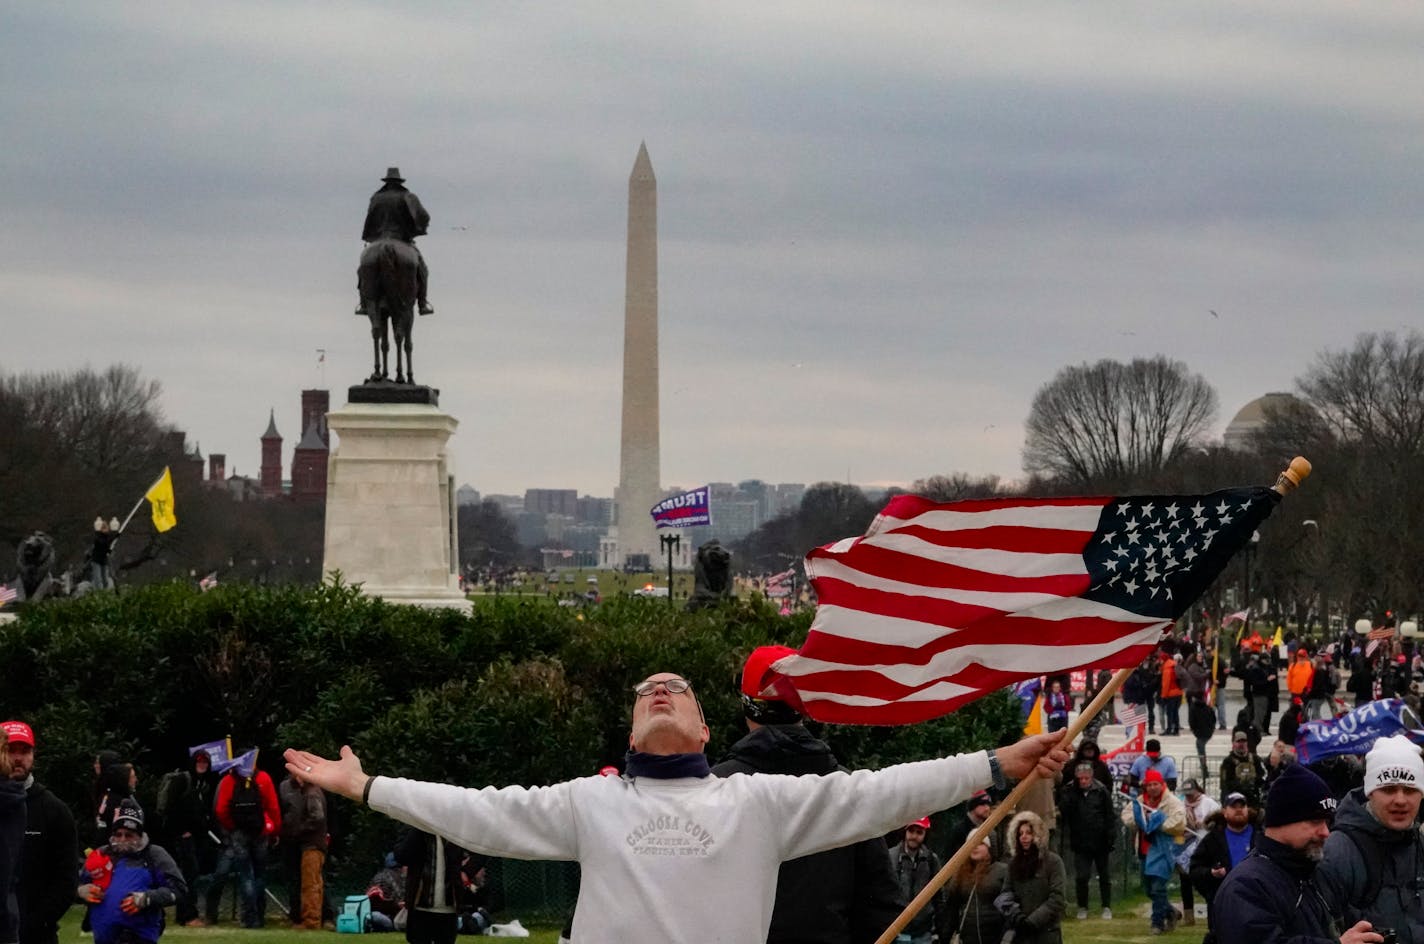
(276, 932)
(1130, 924)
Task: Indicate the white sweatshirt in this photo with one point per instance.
(681, 861)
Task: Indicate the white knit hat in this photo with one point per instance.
(1393, 760)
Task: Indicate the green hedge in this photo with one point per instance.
(522, 691)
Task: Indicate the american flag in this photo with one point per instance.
(776, 580)
(8, 595)
(208, 582)
(939, 604)
(1131, 714)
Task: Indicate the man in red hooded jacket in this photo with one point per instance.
(247, 809)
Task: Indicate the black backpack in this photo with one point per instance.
(246, 806)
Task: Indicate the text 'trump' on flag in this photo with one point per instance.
(939, 604)
(684, 510)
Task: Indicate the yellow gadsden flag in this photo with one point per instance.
(160, 496)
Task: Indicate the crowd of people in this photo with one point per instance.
(1286, 850)
(126, 865)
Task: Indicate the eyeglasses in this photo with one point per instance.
(674, 686)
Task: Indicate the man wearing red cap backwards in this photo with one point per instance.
(1160, 821)
(51, 851)
(669, 852)
(838, 896)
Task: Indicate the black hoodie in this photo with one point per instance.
(48, 865)
(839, 896)
(12, 841)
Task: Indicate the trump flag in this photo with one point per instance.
(683, 511)
(939, 604)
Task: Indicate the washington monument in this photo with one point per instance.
(638, 476)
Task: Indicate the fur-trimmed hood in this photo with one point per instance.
(1040, 831)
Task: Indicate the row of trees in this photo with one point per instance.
(85, 443)
(522, 691)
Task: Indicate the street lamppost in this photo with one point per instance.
(670, 543)
(1324, 600)
(1250, 551)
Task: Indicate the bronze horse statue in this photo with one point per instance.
(387, 277)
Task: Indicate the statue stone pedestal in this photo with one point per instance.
(390, 503)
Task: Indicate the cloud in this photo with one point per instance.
(882, 226)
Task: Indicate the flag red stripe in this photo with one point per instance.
(871, 684)
(1001, 538)
(911, 712)
(908, 506)
(680, 513)
(907, 568)
(996, 631)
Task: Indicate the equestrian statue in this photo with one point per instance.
(392, 276)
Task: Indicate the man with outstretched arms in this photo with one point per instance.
(669, 852)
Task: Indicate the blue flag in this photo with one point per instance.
(1027, 691)
(245, 764)
(219, 752)
(1355, 732)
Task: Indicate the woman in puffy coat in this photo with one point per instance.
(1036, 879)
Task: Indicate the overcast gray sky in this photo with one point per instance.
(883, 225)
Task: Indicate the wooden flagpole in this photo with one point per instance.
(956, 861)
(1285, 482)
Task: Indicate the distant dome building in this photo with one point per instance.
(1252, 417)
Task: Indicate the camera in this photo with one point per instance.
(1389, 935)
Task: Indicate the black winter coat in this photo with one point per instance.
(416, 850)
(972, 913)
(12, 841)
(1271, 898)
(1089, 816)
(840, 895)
(47, 866)
(1213, 853)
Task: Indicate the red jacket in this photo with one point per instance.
(1170, 688)
(271, 809)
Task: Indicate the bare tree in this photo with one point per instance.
(1373, 393)
(958, 486)
(1110, 424)
(73, 445)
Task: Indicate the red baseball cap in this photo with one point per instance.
(758, 665)
(923, 822)
(1153, 776)
(19, 732)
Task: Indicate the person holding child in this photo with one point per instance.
(128, 882)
